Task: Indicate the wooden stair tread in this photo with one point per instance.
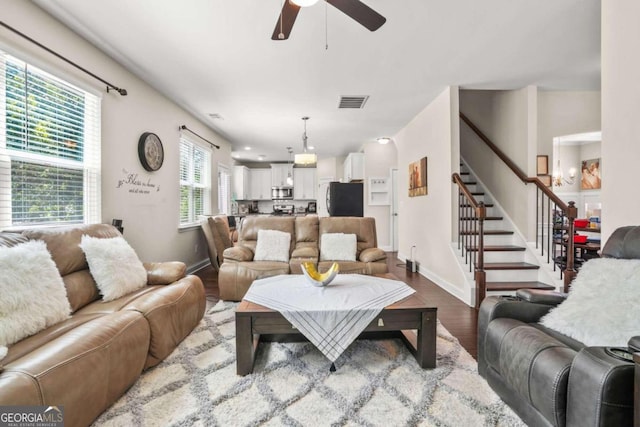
(477, 193)
(498, 248)
(486, 205)
(489, 218)
(469, 182)
(514, 286)
(488, 232)
(510, 266)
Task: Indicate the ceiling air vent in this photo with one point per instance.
(352, 101)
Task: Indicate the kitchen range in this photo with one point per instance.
(283, 209)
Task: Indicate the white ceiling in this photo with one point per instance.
(217, 56)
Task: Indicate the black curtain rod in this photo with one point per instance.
(184, 127)
(121, 91)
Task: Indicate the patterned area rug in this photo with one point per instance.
(377, 383)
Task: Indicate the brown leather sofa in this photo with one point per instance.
(218, 235)
(88, 361)
(239, 270)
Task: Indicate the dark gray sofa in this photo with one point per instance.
(547, 378)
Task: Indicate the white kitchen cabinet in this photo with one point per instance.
(260, 184)
(279, 174)
(241, 182)
(304, 183)
(354, 167)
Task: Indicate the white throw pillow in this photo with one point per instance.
(603, 306)
(272, 245)
(338, 247)
(114, 266)
(32, 294)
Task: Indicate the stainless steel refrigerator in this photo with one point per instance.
(345, 199)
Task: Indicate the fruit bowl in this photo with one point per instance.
(319, 279)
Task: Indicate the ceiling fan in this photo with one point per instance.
(355, 9)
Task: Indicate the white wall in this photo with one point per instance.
(331, 167)
(150, 220)
(508, 119)
(378, 161)
(571, 155)
(620, 113)
(565, 113)
(426, 221)
(568, 156)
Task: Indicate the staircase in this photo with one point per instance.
(508, 263)
(499, 258)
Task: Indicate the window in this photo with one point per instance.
(195, 187)
(49, 148)
(224, 190)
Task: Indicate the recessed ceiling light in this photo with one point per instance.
(384, 140)
(262, 157)
(216, 116)
(247, 148)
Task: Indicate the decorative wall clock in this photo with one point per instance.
(150, 151)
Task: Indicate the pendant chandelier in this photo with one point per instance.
(558, 178)
(289, 167)
(305, 158)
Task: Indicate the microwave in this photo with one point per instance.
(281, 193)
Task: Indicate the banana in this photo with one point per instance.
(319, 279)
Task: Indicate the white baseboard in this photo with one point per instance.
(386, 248)
(444, 284)
(198, 266)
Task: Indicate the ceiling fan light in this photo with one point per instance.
(305, 159)
(304, 3)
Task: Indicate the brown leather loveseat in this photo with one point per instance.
(239, 269)
(88, 361)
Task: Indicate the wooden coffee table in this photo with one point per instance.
(396, 320)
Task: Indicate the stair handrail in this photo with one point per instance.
(467, 193)
(480, 211)
(515, 168)
(570, 211)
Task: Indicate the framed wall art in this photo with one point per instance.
(418, 178)
(542, 165)
(590, 178)
(546, 179)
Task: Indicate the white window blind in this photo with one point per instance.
(195, 179)
(49, 148)
(224, 190)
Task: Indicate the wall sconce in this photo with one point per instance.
(559, 179)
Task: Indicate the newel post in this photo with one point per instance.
(480, 274)
(570, 272)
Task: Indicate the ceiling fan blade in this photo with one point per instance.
(360, 12)
(285, 21)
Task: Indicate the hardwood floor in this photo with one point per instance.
(459, 319)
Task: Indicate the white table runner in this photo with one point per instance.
(333, 316)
